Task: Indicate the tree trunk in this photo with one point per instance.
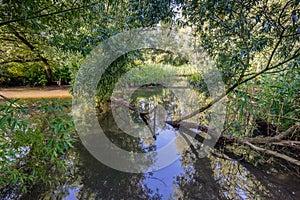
(33, 49)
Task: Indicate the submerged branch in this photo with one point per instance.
(130, 106)
(187, 126)
(143, 115)
(277, 140)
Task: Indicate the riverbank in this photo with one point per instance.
(35, 92)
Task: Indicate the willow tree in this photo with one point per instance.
(256, 47)
(45, 33)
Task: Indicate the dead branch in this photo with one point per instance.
(265, 140)
(189, 125)
(125, 104)
(132, 107)
(288, 143)
(249, 141)
(274, 153)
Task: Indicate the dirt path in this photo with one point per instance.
(27, 92)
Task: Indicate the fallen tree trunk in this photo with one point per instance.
(249, 141)
(186, 126)
(264, 140)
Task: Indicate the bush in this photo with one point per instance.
(33, 142)
(272, 99)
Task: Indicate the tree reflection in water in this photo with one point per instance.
(188, 178)
(215, 178)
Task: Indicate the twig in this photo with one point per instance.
(280, 15)
(20, 61)
(5, 98)
(288, 143)
(273, 153)
(45, 15)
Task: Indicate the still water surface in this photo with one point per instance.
(189, 177)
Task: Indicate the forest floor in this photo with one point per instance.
(35, 92)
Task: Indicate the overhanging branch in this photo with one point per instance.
(45, 15)
(21, 61)
(33, 49)
(238, 83)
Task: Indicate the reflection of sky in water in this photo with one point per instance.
(164, 137)
(230, 177)
(186, 175)
(73, 191)
(238, 182)
(162, 180)
(233, 179)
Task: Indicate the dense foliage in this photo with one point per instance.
(256, 45)
(34, 140)
(45, 41)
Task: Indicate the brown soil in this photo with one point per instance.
(29, 92)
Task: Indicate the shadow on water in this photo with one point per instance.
(189, 177)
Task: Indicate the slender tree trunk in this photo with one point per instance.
(33, 49)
